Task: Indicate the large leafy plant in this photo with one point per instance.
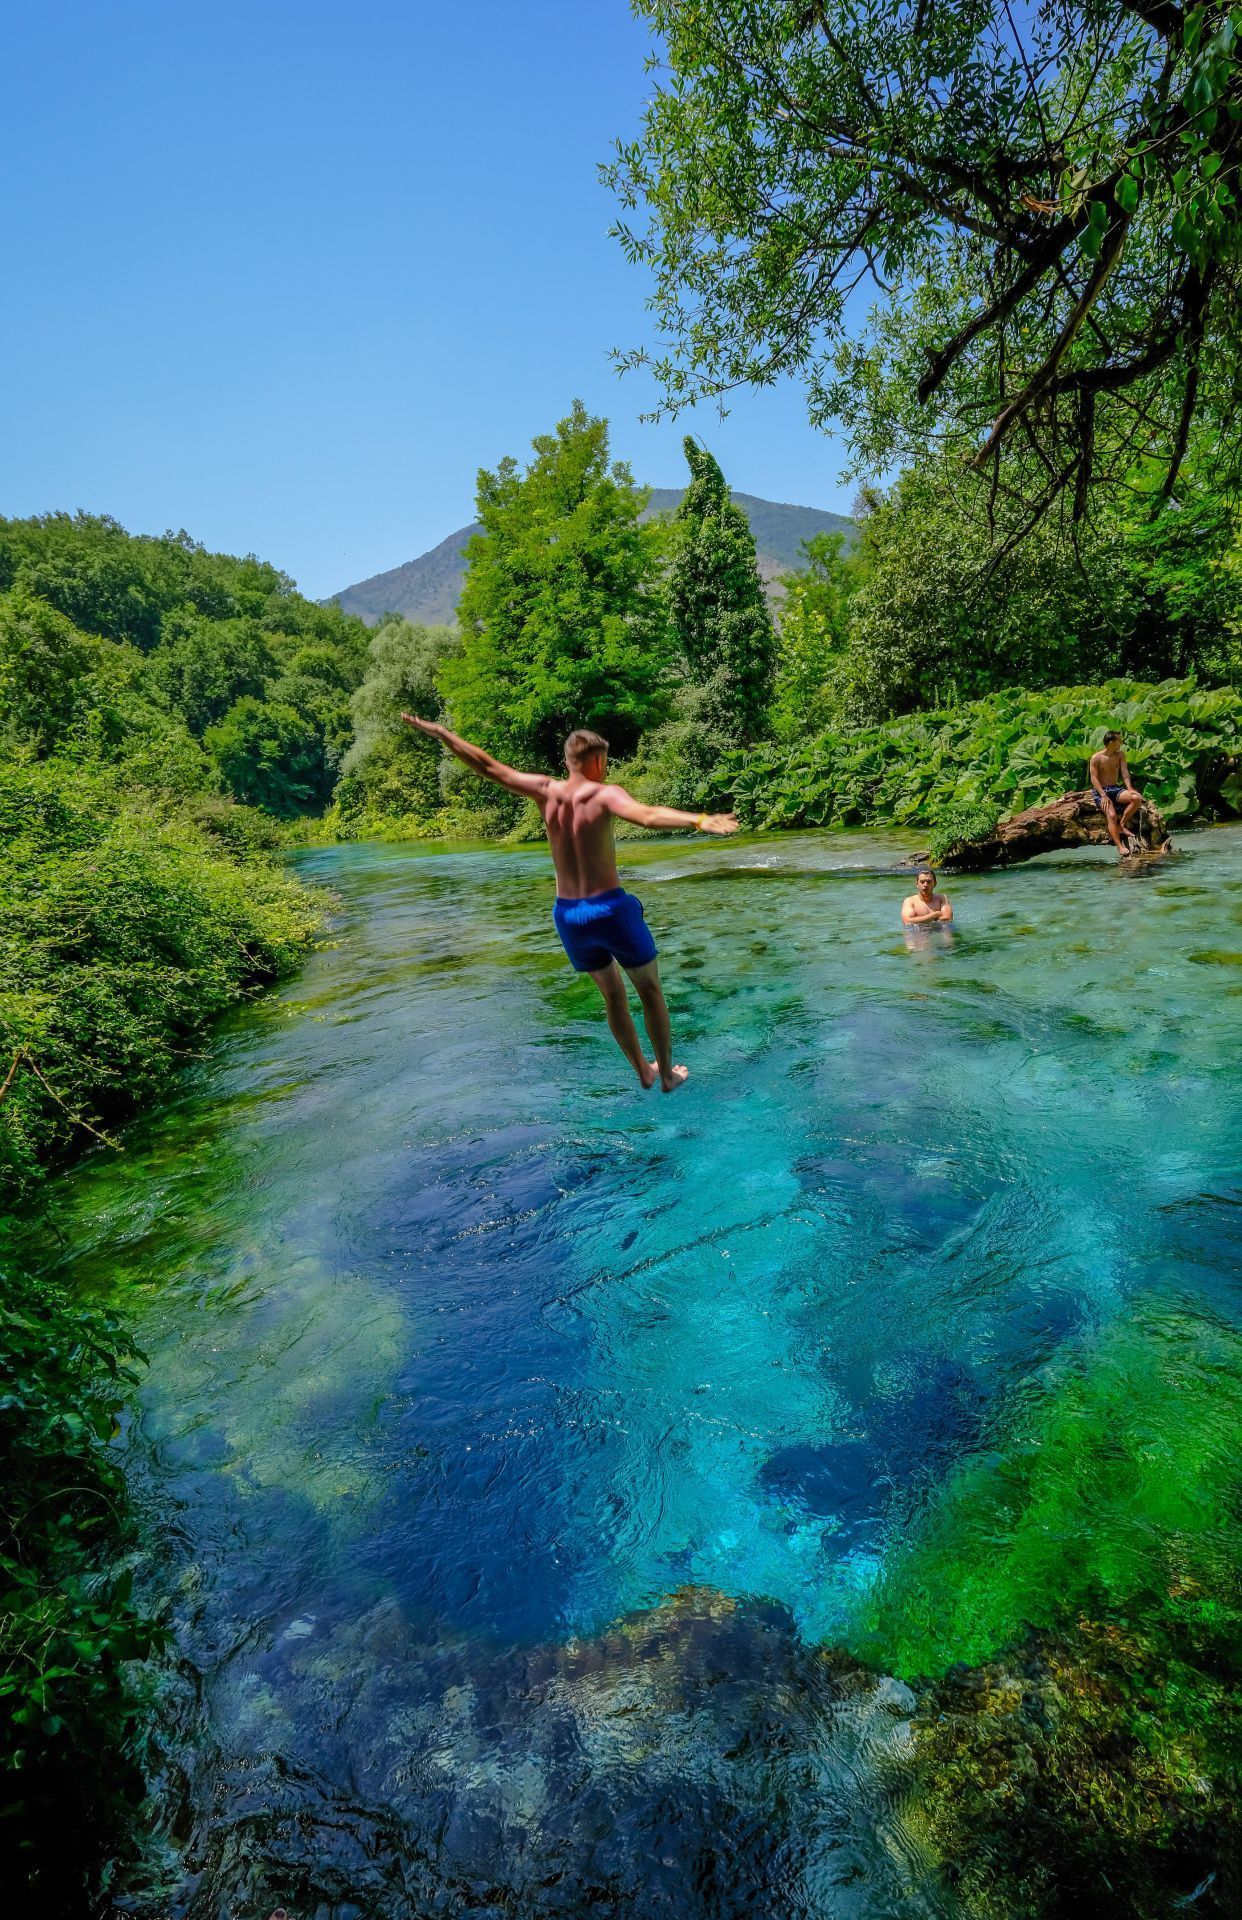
(1013, 750)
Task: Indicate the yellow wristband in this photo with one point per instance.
(699, 822)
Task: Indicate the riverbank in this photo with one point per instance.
(943, 775)
(129, 920)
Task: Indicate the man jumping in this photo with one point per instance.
(599, 923)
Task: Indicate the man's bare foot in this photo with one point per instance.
(649, 1073)
(676, 1078)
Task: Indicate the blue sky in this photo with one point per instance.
(288, 274)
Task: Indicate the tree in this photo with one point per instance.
(812, 636)
(560, 616)
(203, 666)
(929, 624)
(1045, 199)
(1180, 574)
(44, 664)
(718, 615)
(271, 756)
(390, 770)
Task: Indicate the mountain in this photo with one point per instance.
(427, 590)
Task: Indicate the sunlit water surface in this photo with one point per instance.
(465, 1351)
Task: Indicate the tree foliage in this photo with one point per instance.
(202, 638)
(390, 771)
(928, 617)
(560, 621)
(718, 616)
(813, 635)
(202, 666)
(1045, 201)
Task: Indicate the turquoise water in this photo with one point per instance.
(513, 1438)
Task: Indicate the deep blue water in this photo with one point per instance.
(465, 1350)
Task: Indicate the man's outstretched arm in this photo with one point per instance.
(626, 807)
(533, 785)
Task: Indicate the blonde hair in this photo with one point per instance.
(582, 745)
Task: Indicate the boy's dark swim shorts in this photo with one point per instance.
(603, 927)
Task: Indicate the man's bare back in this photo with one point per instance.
(600, 925)
(578, 818)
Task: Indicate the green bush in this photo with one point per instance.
(70, 1709)
(126, 925)
(962, 824)
(1012, 750)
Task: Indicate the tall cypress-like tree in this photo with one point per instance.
(717, 611)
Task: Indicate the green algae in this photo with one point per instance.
(1072, 1605)
(1117, 1479)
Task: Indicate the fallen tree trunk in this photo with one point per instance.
(1072, 821)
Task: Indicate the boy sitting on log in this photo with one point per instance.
(1112, 787)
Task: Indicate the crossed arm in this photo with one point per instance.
(913, 917)
(535, 786)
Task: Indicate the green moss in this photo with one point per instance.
(1073, 1600)
(1117, 1480)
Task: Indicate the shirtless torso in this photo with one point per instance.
(926, 907)
(578, 815)
(1108, 768)
(1115, 794)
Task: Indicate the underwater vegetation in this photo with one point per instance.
(1071, 1614)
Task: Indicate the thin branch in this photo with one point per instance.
(1047, 374)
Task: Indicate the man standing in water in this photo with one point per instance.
(1112, 787)
(926, 908)
(599, 923)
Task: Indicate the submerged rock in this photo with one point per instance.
(695, 1758)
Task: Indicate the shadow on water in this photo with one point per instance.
(516, 1443)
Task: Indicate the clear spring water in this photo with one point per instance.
(513, 1438)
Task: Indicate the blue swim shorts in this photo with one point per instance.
(603, 927)
(1114, 794)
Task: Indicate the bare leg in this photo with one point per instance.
(655, 1015)
(611, 984)
(1133, 809)
(1110, 821)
